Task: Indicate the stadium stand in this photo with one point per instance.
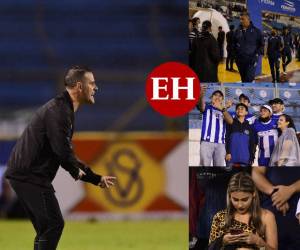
(121, 42)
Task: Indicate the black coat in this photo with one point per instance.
(206, 56)
(230, 40)
(221, 37)
(46, 144)
(248, 43)
(274, 45)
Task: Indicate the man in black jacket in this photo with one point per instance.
(221, 40)
(274, 47)
(44, 146)
(206, 54)
(288, 47)
(248, 46)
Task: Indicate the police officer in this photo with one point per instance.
(287, 48)
(248, 45)
(274, 46)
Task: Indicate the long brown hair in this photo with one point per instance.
(242, 182)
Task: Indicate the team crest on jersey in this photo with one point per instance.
(218, 116)
(247, 132)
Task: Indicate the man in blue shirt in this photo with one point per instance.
(280, 189)
(248, 45)
(245, 100)
(240, 139)
(266, 134)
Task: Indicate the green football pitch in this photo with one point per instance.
(102, 235)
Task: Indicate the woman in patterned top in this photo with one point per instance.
(243, 225)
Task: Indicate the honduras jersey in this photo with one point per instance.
(267, 136)
(213, 125)
(249, 117)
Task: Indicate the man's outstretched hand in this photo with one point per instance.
(107, 181)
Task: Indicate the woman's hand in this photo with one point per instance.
(231, 238)
(251, 239)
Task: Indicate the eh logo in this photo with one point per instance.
(173, 89)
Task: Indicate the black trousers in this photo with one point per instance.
(221, 49)
(286, 59)
(246, 69)
(229, 59)
(274, 66)
(43, 210)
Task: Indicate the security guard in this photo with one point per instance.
(248, 45)
(273, 51)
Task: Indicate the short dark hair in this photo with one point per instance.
(195, 20)
(231, 27)
(241, 105)
(218, 92)
(220, 27)
(243, 96)
(206, 25)
(275, 101)
(75, 74)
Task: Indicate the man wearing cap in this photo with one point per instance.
(266, 135)
(240, 139)
(277, 108)
(212, 145)
(245, 100)
(248, 45)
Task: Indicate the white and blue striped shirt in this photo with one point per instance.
(213, 125)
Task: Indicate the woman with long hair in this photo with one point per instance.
(243, 224)
(287, 149)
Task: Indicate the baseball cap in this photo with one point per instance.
(241, 104)
(218, 92)
(276, 100)
(244, 96)
(267, 107)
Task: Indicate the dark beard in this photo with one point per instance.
(264, 119)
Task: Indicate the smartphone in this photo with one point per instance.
(236, 231)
